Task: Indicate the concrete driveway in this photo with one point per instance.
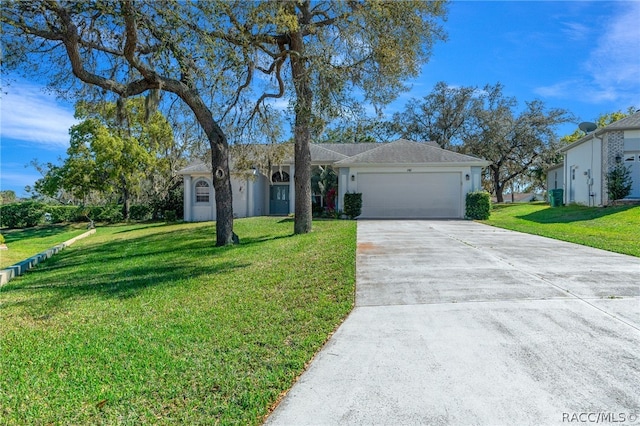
(461, 323)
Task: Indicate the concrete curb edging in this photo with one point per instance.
(20, 268)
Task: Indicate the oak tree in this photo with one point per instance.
(324, 56)
(513, 141)
(129, 48)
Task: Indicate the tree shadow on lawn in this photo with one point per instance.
(107, 270)
(124, 269)
(569, 214)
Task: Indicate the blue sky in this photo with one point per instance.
(583, 56)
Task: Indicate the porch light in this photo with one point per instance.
(353, 178)
(618, 158)
(467, 177)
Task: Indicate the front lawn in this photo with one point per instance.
(610, 228)
(24, 243)
(148, 324)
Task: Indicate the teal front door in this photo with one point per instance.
(279, 199)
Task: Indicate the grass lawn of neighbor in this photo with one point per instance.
(615, 229)
(153, 324)
(24, 243)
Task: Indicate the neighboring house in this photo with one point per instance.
(401, 179)
(588, 160)
(520, 197)
(555, 177)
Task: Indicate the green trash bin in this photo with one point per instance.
(556, 197)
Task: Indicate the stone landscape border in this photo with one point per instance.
(20, 268)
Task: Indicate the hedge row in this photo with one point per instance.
(31, 213)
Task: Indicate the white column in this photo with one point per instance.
(292, 189)
(187, 198)
(249, 186)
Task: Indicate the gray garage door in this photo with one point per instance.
(410, 195)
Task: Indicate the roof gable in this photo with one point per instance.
(631, 122)
(403, 151)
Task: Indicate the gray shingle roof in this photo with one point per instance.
(632, 121)
(403, 151)
(348, 149)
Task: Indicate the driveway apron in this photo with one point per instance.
(461, 323)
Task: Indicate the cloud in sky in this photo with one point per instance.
(575, 30)
(612, 69)
(30, 115)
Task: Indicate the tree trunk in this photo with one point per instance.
(127, 203)
(219, 167)
(497, 184)
(223, 194)
(302, 137)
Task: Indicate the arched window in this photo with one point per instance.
(280, 177)
(202, 192)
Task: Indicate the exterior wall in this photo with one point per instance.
(583, 174)
(555, 178)
(202, 211)
(476, 178)
(350, 175)
(632, 150)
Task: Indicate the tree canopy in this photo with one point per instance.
(112, 151)
(227, 59)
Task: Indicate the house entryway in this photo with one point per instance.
(279, 199)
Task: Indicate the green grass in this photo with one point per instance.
(24, 243)
(152, 324)
(615, 229)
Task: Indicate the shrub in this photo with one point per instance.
(619, 182)
(61, 214)
(22, 215)
(352, 204)
(170, 215)
(173, 201)
(140, 212)
(109, 214)
(1, 239)
(478, 205)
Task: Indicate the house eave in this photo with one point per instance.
(432, 164)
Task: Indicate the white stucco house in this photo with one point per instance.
(400, 179)
(588, 160)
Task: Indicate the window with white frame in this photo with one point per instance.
(202, 191)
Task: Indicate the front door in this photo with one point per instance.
(279, 199)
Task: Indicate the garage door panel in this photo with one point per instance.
(410, 195)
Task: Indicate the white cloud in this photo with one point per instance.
(614, 64)
(30, 115)
(611, 72)
(575, 30)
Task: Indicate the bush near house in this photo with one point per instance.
(352, 205)
(619, 182)
(478, 205)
